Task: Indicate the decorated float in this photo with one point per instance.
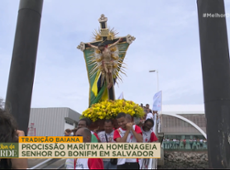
(104, 58)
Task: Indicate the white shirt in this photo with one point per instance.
(80, 164)
(130, 139)
(146, 135)
(144, 163)
(102, 138)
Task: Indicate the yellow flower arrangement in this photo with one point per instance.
(110, 109)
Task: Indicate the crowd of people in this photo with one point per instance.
(127, 132)
(149, 114)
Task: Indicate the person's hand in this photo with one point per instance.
(68, 132)
(20, 133)
(129, 126)
(120, 39)
(74, 130)
(89, 44)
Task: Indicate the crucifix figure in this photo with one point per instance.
(107, 56)
(107, 61)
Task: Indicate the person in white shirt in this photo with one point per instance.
(148, 136)
(201, 143)
(107, 136)
(150, 116)
(127, 133)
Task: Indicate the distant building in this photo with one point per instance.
(176, 128)
(51, 121)
(186, 131)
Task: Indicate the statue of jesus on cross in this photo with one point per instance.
(104, 60)
(107, 61)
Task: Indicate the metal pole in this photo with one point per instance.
(216, 80)
(21, 76)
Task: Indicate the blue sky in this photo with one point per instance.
(167, 39)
